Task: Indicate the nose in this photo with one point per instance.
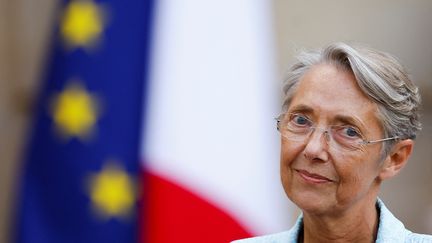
(317, 145)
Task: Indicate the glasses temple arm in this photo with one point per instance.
(381, 140)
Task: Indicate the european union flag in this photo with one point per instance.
(81, 165)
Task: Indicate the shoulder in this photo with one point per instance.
(390, 229)
(418, 238)
(285, 236)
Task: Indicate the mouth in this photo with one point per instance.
(312, 177)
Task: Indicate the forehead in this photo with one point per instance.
(328, 90)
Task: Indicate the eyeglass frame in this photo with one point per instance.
(313, 128)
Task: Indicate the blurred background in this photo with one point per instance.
(399, 27)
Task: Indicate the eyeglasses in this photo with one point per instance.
(297, 127)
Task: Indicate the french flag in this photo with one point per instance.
(210, 148)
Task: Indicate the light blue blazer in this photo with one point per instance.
(390, 230)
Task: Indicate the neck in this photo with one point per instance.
(357, 225)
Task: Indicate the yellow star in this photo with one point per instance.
(74, 112)
(112, 192)
(82, 23)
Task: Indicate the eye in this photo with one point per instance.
(350, 132)
(299, 120)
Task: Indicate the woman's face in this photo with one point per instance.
(323, 179)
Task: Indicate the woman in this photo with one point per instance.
(349, 121)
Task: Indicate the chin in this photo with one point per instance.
(308, 197)
(311, 203)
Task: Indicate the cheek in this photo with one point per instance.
(357, 175)
(289, 152)
(350, 185)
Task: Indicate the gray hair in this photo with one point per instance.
(379, 75)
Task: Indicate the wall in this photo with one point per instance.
(24, 31)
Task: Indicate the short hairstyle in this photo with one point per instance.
(379, 75)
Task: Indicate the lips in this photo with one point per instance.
(313, 178)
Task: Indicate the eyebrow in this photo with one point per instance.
(301, 108)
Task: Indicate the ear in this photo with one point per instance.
(397, 159)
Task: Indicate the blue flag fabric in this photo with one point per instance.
(82, 162)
